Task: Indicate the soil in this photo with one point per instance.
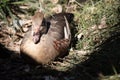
(99, 63)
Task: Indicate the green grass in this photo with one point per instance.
(9, 10)
(92, 15)
(95, 21)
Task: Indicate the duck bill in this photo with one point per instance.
(36, 35)
(36, 38)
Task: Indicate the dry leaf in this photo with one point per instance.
(94, 27)
(57, 8)
(103, 23)
(54, 1)
(71, 1)
(71, 8)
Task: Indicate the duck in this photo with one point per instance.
(47, 39)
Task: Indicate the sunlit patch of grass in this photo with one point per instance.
(95, 20)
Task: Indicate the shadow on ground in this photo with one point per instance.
(100, 63)
(103, 62)
(4, 53)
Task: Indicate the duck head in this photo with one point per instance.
(38, 27)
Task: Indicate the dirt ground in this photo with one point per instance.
(105, 61)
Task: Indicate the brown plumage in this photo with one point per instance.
(47, 39)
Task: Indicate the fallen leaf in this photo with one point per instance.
(57, 8)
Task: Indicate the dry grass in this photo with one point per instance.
(95, 30)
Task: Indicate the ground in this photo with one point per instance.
(96, 26)
(78, 65)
